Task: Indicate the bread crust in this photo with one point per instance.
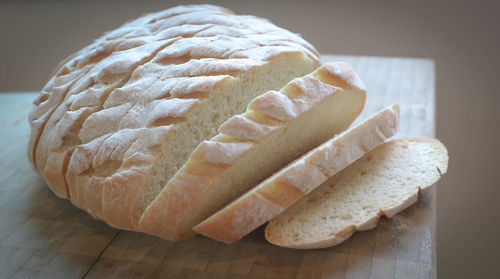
(296, 180)
(168, 216)
(148, 75)
(440, 159)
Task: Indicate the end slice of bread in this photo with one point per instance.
(284, 188)
(276, 128)
(384, 182)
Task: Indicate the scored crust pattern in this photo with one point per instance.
(170, 215)
(106, 111)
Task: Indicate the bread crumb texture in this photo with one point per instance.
(383, 182)
(300, 116)
(285, 187)
(120, 117)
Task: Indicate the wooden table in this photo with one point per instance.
(44, 236)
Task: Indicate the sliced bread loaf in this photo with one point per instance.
(277, 128)
(384, 182)
(284, 188)
(121, 116)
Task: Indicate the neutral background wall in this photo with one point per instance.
(461, 36)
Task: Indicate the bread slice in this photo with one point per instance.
(284, 188)
(120, 117)
(277, 128)
(384, 182)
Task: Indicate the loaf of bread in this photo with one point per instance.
(382, 183)
(276, 128)
(284, 188)
(129, 129)
(120, 117)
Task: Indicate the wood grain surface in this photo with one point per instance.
(42, 236)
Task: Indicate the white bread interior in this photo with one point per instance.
(121, 116)
(271, 197)
(382, 183)
(305, 113)
(203, 121)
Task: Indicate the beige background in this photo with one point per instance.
(463, 37)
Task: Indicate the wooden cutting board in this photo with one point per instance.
(44, 236)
